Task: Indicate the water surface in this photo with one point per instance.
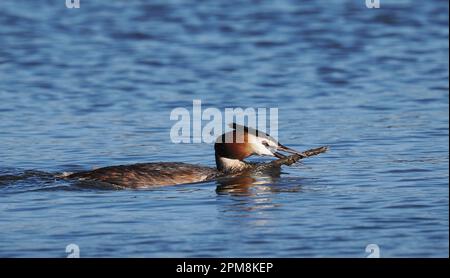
(92, 87)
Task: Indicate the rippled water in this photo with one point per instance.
(90, 87)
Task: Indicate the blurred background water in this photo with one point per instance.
(91, 87)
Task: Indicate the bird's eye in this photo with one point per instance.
(265, 143)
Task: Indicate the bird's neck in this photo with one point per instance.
(229, 165)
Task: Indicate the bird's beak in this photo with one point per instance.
(279, 155)
(285, 149)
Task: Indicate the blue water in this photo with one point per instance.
(91, 87)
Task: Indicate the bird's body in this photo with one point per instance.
(149, 174)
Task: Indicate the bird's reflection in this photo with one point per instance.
(248, 198)
(252, 183)
(254, 191)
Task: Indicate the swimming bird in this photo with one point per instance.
(231, 149)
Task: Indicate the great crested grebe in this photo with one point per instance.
(229, 161)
